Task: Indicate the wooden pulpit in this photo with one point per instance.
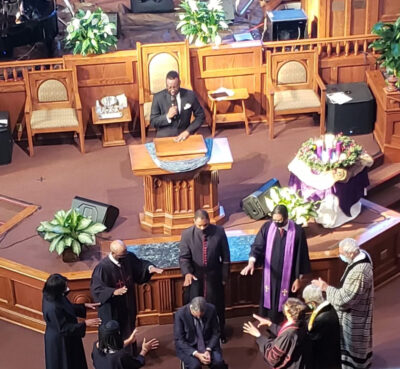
(171, 199)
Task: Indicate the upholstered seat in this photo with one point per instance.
(52, 104)
(294, 86)
(154, 62)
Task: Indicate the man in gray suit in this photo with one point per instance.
(172, 109)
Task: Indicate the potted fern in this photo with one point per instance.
(299, 210)
(68, 231)
(90, 33)
(388, 46)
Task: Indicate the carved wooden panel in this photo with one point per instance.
(389, 10)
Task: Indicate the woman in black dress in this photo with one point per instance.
(108, 352)
(63, 336)
(287, 346)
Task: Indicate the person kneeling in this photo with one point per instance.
(108, 352)
(196, 332)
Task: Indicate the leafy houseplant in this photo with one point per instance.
(201, 21)
(300, 210)
(69, 230)
(388, 46)
(90, 33)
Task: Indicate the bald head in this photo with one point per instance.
(118, 249)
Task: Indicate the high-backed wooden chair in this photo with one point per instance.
(53, 104)
(154, 62)
(294, 86)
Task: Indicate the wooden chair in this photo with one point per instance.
(154, 62)
(52, 104)
(294, 86)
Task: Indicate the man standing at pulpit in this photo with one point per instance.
(172, 108)
(281, 248)
(204, 259)
(113, 285)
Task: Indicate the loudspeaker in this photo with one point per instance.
(98, 211)
(355, 117)
(6, 141)
(254, 205)
(152, 6)
(288, 24)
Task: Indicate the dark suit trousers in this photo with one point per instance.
(217, 362)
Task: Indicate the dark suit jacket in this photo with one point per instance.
(159, 109)
(185, 331)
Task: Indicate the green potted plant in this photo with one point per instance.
(388, 46)
(90, 33)
(300, 211)
(68, 231)
(201, 21)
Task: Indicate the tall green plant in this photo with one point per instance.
(90, 33)
(201, 21)
(69, 230)
(388, 46)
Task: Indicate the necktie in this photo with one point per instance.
(201, 346)
(205, 244)
(282, 232)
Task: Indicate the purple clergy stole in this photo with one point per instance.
(287, 265)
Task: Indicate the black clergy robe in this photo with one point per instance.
(324, 331)
(286, 348)
(63, 336)
(210, 277)
(107, 277)
(300, 265)
(117, 360)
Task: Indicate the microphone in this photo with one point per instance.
(173, 100)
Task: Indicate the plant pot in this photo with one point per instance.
(69, 256)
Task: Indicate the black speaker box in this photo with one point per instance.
(355, 117)
(98, 211)
(152, 6)
(287, 24)
(254, 205)
(6, 141)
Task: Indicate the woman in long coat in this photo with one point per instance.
(63, 336)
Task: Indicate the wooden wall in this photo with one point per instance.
(336, 18)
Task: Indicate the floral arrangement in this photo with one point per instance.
(329, 152)
(201, 21)
(90, 33)
(300, 210)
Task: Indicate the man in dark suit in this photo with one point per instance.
(172, 110)
(196, 333)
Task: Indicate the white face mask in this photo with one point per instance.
(345, 259)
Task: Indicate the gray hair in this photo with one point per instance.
(198, 304)
(313, 293)
(349, 246)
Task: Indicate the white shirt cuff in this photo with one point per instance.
(252, 258)
(168, 120)
(194, 353)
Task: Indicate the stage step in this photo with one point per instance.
(384, 188)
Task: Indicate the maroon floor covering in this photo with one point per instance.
(59, 172)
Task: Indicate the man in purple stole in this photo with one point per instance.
(281, 248)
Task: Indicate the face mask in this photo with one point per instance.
(311, 306)
(280, 224)
(344, 259)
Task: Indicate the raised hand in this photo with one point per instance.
(249, 328)
(262, 322)
(95, 322)
(149, 345)
(154, 269)
(120, 291)
(92, 305)
(248, 269)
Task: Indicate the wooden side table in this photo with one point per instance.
(113, 128)
(238, 94)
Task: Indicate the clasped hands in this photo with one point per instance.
(251, 329)
(205, 357)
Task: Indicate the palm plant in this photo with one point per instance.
(69, 230)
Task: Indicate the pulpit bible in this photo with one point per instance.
(171, 199)
(168, 149)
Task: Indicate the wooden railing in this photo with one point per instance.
(327, 47)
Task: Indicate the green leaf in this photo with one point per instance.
(54, 243)
(95, 228)
(68, 241)
(84, 223)
(85, 238)
(60, 246)
(76, 247)
(48, 236)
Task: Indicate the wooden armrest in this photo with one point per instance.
(270, 86)
(320, 82)
(28, 105)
